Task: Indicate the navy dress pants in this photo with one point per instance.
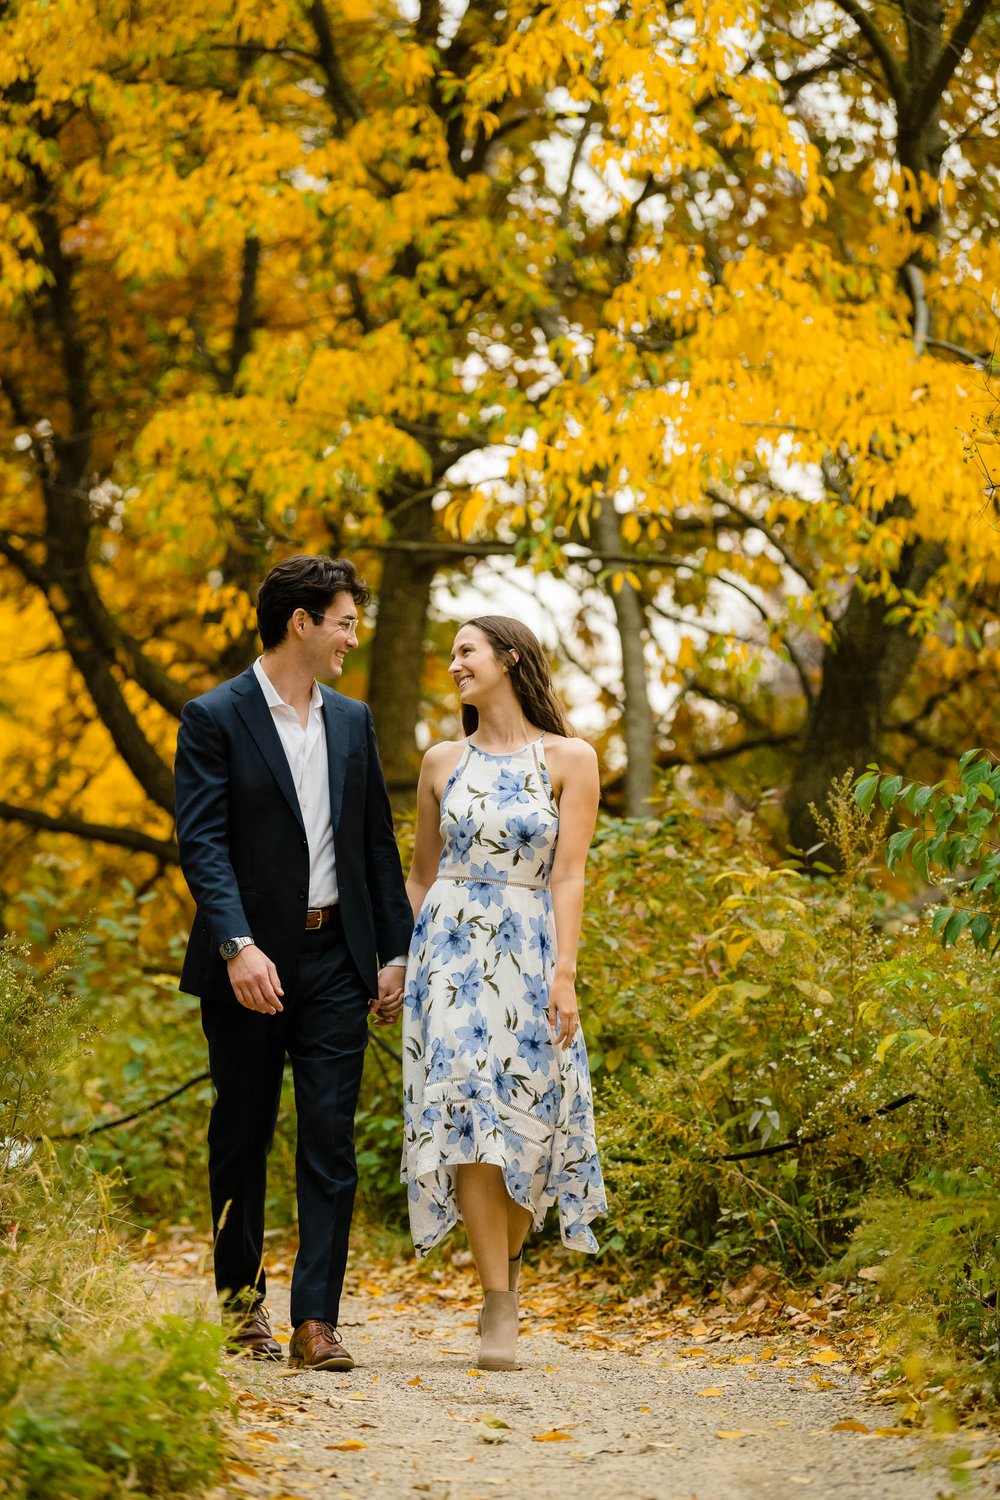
(323, 1029)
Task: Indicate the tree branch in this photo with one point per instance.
(243, 327)
(98, 833)
(338, 89)
(721, 498)
(950, 56)
(880, 47)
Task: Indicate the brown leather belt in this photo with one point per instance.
(320, 916)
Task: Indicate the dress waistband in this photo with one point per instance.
(527, 885)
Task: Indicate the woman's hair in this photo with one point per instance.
(309, 583)
(520, 651)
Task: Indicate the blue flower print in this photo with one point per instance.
(579, 1111)
(441, 1056)
(472, 1088)
(462, 1132)
(509, 788)
(536, 991)
(589, 1171)
(469, 986)
(510, 932)
(485, 885)
(548, 1104)
(541, 942)
(460, 837)
(430, 1115)
(534, 1045)
(454, 942)
(417, 988)
(503, 1084)
(420, 927)
(476, 1035)
(523, 834)
(518, 1183)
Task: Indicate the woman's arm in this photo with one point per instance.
(427, 840)
(578, 777)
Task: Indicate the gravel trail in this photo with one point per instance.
(593, 1413)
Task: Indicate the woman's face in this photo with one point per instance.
(473, 667)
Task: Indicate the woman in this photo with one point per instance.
(498, 1112)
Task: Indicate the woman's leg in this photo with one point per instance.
(518, 1224)
(483, 1203)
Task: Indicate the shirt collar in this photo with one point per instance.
(274, 698)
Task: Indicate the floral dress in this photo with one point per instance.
(482, 1078)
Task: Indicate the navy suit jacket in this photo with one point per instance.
(243, 844)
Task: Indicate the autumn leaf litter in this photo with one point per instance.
(760, 1393)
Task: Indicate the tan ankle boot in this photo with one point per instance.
(513, 1277)
(498, 1340)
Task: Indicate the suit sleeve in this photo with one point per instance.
(390, 903)
(201, 777)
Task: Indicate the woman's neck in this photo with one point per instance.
(503, 728)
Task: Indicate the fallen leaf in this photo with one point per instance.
(351, 1445)
(267, 1437)
(730, 1434)
(893, 1432)
(711, 1390)
(555, 1436)
(827, 1357)
(849, 1427)
(699, 1330)
(415, 1381)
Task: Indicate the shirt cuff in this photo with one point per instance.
(396, 963)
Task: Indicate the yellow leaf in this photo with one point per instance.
(736, 1434)
(555, 1436)
(827, 1357)
(849, 1427)
(893, 1432)
(415, 1381)
(711, 1390)
(351, 1445)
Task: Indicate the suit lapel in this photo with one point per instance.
(252, 708)
(337, 730)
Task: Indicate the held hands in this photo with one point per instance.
(564, 1017)
(385, 1010)
(255, 981)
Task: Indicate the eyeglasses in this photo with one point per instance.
(347, 624)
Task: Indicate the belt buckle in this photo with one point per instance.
(314, 918)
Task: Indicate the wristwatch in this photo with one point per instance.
(232, 946)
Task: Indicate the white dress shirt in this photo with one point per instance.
(305, 751)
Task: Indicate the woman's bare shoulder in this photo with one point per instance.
(570, 750)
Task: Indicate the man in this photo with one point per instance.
(286, 843)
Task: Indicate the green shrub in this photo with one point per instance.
(140, 1416)
(94, 1399)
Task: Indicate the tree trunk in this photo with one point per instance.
(397, 657)
(863, 671)
(638, 724)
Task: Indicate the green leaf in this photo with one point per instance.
(979, 929)
(898, 845)
(889, 791)
(943, 915)
(864, 790)
(954, 928)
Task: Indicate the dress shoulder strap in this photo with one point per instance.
(538, 756)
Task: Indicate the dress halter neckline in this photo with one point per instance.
(505, 754)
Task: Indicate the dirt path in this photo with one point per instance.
(594, 1413)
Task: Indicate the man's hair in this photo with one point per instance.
(309, 583)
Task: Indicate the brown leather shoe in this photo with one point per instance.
(317, 1345)
(249, 1333)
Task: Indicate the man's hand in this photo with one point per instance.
(255, 981)
(387, 1007)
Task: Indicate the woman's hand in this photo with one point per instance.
(564, 1017)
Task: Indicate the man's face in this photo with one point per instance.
(329, 639)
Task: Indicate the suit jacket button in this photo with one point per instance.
(301, 895)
